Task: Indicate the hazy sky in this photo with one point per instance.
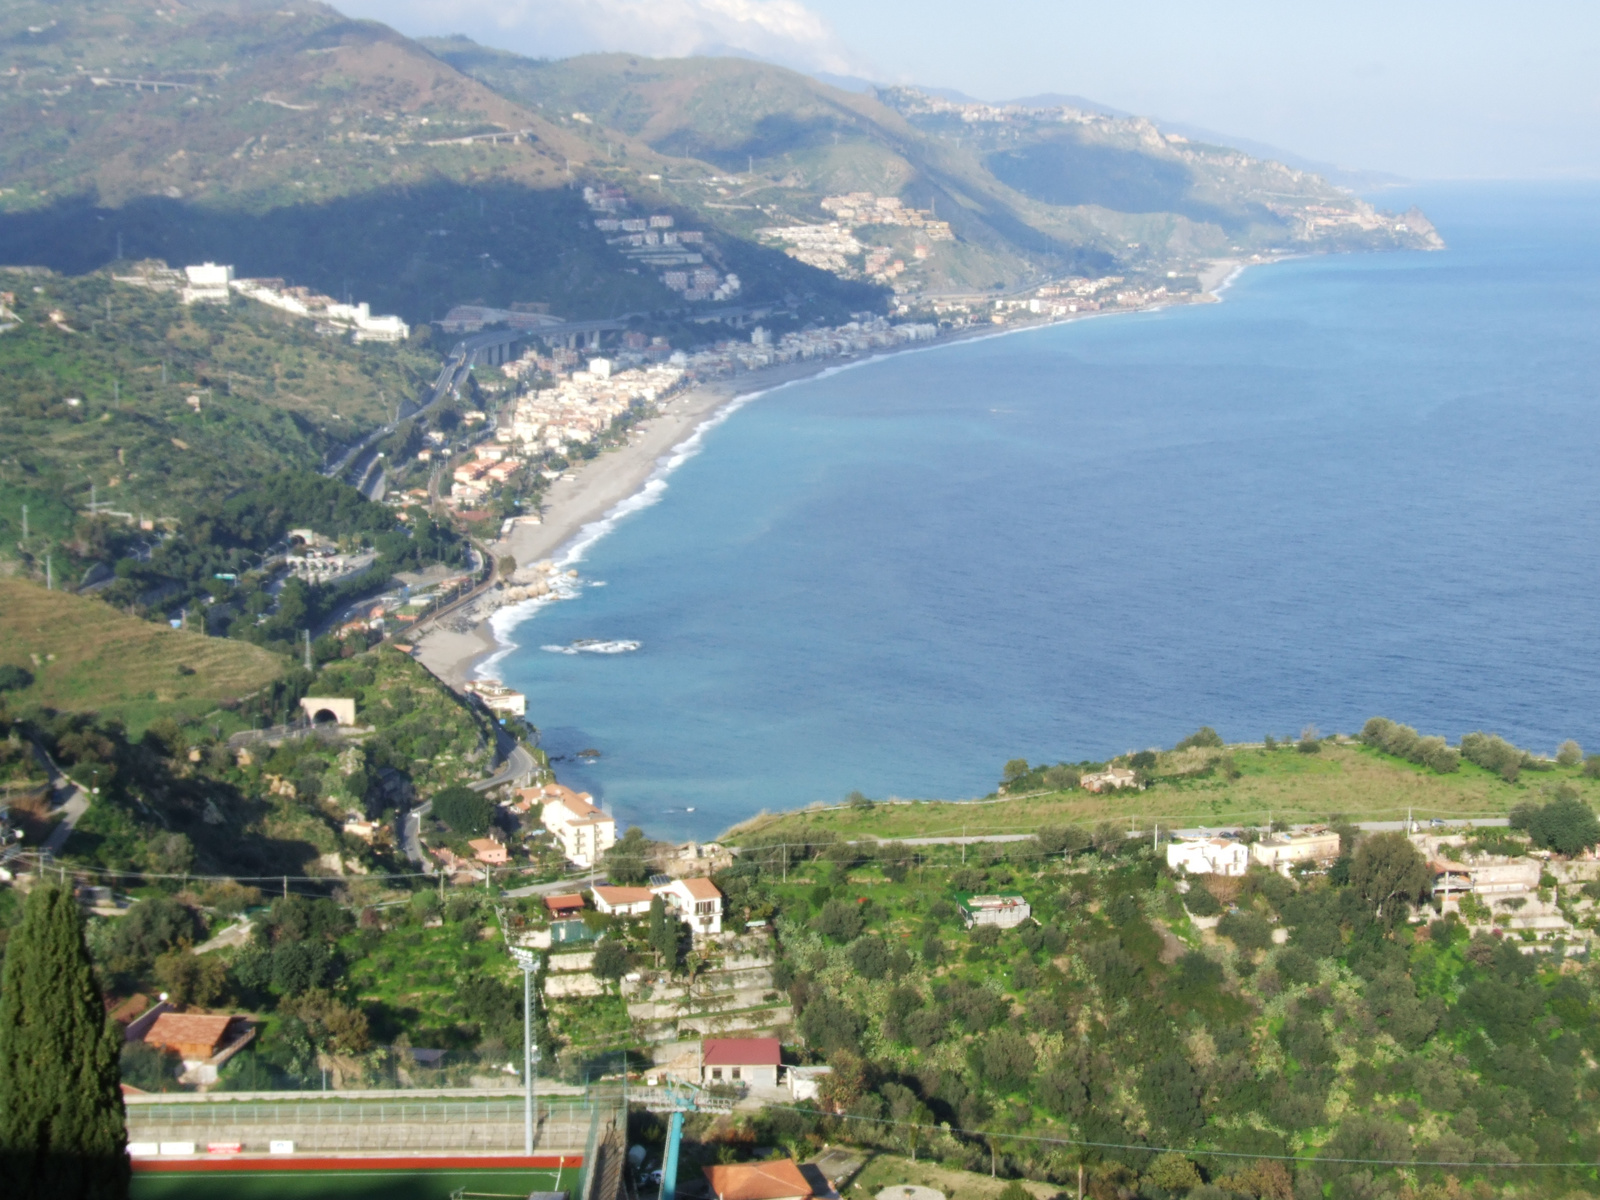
(1430, 88)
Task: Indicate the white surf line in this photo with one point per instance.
(504, 620)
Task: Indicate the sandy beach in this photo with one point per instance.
(585, 495)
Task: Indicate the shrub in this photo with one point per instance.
(840, 921)
(1402, 741)
(870, 957)
(1493, 753)
(463, 810)
(1246, 930)
(611, 960)
(1570, 754)
(1199, 900)
(14, 678)
(1204, 738)
(1004, 1060)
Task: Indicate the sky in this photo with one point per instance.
(1426, 89)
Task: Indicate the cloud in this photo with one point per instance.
(784, 31)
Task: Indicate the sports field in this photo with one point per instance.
(390, 1183)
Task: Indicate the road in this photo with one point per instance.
(450, 374)
(71, 809)
(975, 839)
(518, 764)
(410, 829)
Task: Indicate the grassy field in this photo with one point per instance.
(1344, 778)
(354, 1184)
(85, 655)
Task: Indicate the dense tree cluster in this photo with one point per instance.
(1566, 824)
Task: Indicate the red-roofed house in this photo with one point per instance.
(561, 907)
(194, 1037)
(696, 901)
(740, 1060)
(623, 901)
(204, 1042)
(777, 1179)
(487, 850)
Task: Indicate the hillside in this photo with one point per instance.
(158, 405)
(1192, 787)
(300, 144)
(1029, 192)
(86, 656)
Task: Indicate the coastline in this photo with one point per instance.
(583, 506)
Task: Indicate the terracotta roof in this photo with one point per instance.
(577, 803)
(188, 1029)
(701, 889)
(623, 895)
(561, 903)
(758, 1181)
(742, 1052)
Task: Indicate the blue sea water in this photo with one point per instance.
(1360, 485)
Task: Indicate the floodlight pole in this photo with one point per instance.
(529, 964)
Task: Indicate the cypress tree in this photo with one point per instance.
(62, 1134)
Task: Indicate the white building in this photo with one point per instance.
(207, 284)
(697, 902)
(1209, 856)
(805, 1083)
(1007, 912)
(583, 832)
(498, 698)
(623, 901)
(1284, 851)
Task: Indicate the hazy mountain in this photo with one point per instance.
(418, 175)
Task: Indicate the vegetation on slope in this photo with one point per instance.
(80, 654)
(304, 145)
(1314, 1023)
(98, 379)
(1203, 785)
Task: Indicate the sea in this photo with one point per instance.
(1360, 485)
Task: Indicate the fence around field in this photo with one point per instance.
(343, 1126)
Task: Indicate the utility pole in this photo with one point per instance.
(24, 522)
(307, 632)
(49, 575)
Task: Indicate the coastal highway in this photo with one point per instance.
(976, 839)
(450, 375)
(518, 764)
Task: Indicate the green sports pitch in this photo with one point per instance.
(355, 1183)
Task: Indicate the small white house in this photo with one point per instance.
(1209, 856)
(623, 901)
(805, 1083)
(1007, 912)
(696, 902)
(740, 1060)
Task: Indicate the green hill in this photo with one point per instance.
(1030, 193)
(301, 144)
(86, 656)
(270, 394)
